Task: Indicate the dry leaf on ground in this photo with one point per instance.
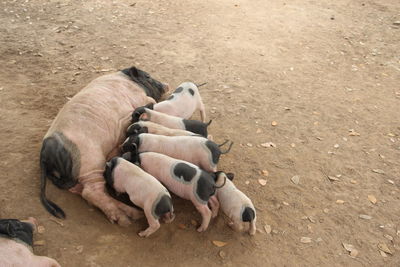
(295, 179)
(219, 243)
(267, 228)
(265, 172)
(262, 182)
(378, 171)
(383, 247)
(39, 243)
(372, 198)
(268, 144)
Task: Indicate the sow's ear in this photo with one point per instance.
(230, 176)
(134, 72)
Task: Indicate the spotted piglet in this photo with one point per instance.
(183, 179)
(194, 149)
(154, 128)
(236, 205)
(144, 191)
(183, 102)
(173, 122)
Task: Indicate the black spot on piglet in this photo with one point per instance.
(185, 171)
(13, 228)
(215, 151)
(108, 172)
(170, 97)
(248, 215)
(191, 91)
(178, 90)
(196, 126)
(163, 206)
(205, 186)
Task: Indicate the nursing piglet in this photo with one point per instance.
(154, 128)
(16, 239)
(194, 149)
(236, 205)
(182, 178)
(173, 122)
(183, 102)
(143, 189)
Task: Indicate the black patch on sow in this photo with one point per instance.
(248, 215)
(13, 228)
(57, 158)
(196, 126)
(205, 186)
(185, 171)
(215, 152)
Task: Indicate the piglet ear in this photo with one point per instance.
(150, 106)
(127, 156)
(230, 175)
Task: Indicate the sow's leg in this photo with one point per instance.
(94, 192)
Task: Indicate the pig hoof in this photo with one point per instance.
(200, 229)
(130, 212)
(124, 221)
(143, 234)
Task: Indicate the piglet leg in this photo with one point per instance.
(252, 230)
(206, 216)
(214, 205)
(153, 224)
(115, 211)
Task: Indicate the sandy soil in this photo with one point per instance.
(316, 68)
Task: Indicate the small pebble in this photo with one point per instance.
(222, 254)
(40, 229)
(354, 253)
(267, 228)
(388, 237)
(365, 217)
(295, 179)
(305, 240)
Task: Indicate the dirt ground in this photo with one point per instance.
(327, 72)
